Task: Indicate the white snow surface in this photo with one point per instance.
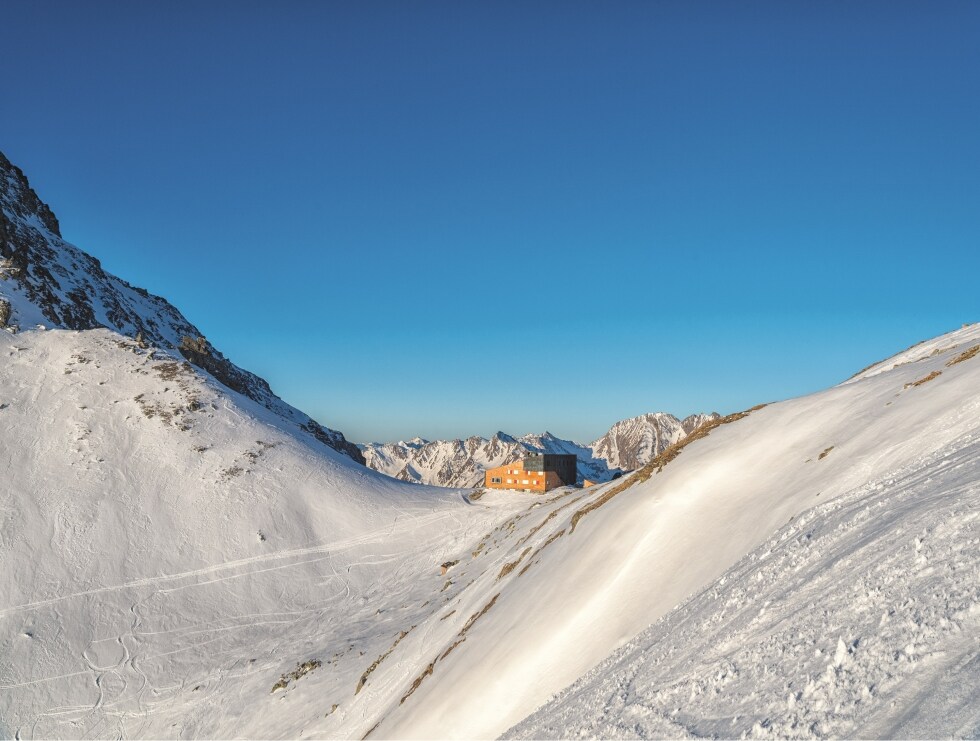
(171, 548)
(858, 619)
(654, 546)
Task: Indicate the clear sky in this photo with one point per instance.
(445, 219)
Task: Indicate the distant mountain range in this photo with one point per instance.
(627, 445)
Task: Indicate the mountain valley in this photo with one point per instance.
(184, 555)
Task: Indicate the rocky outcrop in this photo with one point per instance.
(21, 200)
(45, 280)
(333, 439)
(201, 353)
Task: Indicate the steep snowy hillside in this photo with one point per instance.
(858, 619)
(628, 444)
(46, 281)
(618, 559)
(171, 548)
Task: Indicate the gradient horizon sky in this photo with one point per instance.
(445, 219)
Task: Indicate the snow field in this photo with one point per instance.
(658, 543)
(158, 565)
(859, 619)
(179, 562)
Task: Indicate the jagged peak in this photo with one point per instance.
(17, 194)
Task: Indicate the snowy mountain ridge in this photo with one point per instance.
(45, 281)
(629, 444)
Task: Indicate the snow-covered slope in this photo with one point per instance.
(171, 547)
(624, 556)
(858, 619)
(629, 444)
(46, 281)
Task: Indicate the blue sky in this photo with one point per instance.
(445, 219)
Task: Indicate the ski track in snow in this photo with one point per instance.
(118, 672)
(376, 537)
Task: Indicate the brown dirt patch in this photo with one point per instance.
(377, 662)
(508, 567)
(533, 559)
(965, 355)
(460, 637)
(296, 674)
(924, 379)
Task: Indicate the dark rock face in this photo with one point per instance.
(201, 353)
(334, 439)
(24, 201)
(68, 285)
(69, 288)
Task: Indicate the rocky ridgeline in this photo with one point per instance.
(46, 280)
(629, 444)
